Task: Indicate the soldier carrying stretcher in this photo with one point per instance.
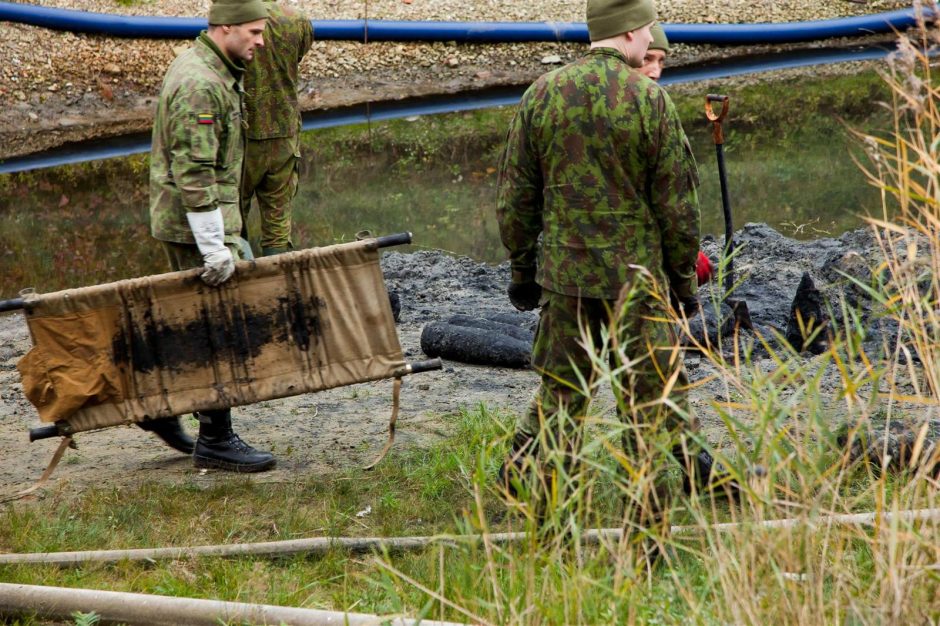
(195, 173)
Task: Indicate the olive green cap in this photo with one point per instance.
(236, 11)
(608, 18)
(660, 41)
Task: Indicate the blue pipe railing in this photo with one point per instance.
(506, 96)
(464, 32)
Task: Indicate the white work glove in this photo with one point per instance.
(209, 231)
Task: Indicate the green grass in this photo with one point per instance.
(240, 511)
(412, 492)
(446, 488)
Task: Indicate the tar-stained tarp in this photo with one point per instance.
(168, 345)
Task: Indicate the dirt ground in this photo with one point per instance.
(344, 428)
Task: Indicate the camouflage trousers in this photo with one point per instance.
(270, 173)
(643, 360)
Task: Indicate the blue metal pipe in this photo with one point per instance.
(505, 96)
(461, 32)
(791, 32)
(464, 32)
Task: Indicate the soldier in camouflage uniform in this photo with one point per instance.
(652, 68)
(195, 172)
(596, 200)
(272, 152)
(655, 58)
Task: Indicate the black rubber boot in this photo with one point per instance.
(511, 471)
(171, 432)
(711, 478)
(395, 301)
(218, 447)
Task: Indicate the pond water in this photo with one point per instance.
(788, 152)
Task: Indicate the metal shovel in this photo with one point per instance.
(740, 313)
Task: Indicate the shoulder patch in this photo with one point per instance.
(205, 118)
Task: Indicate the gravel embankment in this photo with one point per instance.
(57, 87)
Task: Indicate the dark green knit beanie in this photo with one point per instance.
(236, 11)
(608, 18)
(660, 41)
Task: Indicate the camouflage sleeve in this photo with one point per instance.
(674, 199)
(307, 39)
(519, 197)
(196, 123)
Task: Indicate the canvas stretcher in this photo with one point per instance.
(165, 345)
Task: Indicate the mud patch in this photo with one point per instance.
(241, 335)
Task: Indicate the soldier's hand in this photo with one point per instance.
(209, 232)
(525, 296)
(219, 266)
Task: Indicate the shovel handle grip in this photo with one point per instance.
(716, 120)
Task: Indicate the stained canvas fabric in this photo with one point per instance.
(169, 344)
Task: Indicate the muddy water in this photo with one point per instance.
(435, 176)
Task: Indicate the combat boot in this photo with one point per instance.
(171, 432)
(218, 447)
(711, 478)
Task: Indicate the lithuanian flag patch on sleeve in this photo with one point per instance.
(205, 118)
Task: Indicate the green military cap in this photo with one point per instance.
(660, 41)
(608, 18)
(236, 11)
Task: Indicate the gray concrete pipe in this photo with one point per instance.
(320, 545)
(144, 609)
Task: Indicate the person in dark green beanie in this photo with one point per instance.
(655, 58)
(623, 25)
(237, 27)
(598, 209)
(195, 171)
(652, 68)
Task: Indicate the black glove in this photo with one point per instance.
(525, 296)
(524, 292)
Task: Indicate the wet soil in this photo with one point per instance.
(344, 428)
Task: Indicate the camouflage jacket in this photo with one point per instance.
(597, 165)
(271, 106)
(198, 146)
